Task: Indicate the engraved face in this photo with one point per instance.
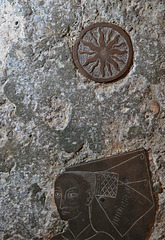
(69, 197)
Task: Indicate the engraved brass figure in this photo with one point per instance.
(73, 197)
(110, 198)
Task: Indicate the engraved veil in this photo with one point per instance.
(123, 201)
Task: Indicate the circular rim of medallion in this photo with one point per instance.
(121, 73)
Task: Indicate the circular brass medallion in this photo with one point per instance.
(103, 52)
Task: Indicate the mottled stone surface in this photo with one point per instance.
(51, 116)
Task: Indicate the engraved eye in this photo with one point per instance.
(57, 194)
(72, 195)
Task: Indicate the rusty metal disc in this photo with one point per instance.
(103, 52)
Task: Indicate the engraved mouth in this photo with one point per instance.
(64, 212)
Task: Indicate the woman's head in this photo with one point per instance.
(72, 195)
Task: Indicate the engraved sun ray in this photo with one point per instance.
(101, 38)
(111, 43)
(109, 36)
(102, 65)
(119, 45)
(90, 45)
(109, 68)
(86, 52)
(111, 61)
(91, 60)
(118, 59)
(117, 51)
(94, 66)
(103, 51)
(94, 38)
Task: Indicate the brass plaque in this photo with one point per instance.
(103, 52)
(110, 198)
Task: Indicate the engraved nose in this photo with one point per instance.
(63, 202)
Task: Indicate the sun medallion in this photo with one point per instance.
(103, 52)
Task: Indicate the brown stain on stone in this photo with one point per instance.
(162, 66)
(155, 107)
(117, 146)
